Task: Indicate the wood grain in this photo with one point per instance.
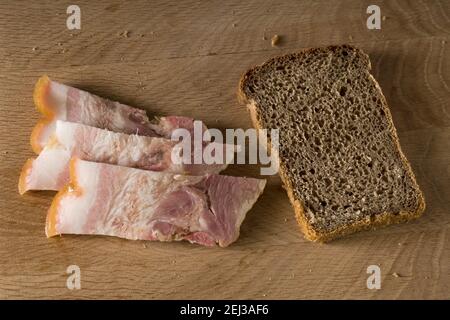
(188, 62)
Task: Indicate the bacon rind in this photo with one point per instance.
(23, 184)
(52, 215)
(39, 97)
(40, 92)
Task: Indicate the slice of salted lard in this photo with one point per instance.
(58, 101)
(103, 199)
(50, 170)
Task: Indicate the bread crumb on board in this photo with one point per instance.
(34, 48)
(275, 40)
(125, 34)
(395, 274)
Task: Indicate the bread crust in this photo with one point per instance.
(367, 223)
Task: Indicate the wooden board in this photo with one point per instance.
(188, 62)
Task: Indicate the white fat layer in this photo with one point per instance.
(46, 133)
(65, 133)
(121, 149)
(73, 210)
(58, 94)
(46, 169)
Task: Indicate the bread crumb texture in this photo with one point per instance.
(340, 157)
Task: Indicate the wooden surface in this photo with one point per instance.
(188, 62)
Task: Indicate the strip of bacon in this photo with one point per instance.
(49, 171)
(58, 101)
(135, 204)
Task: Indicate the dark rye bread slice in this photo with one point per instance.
(340, 158)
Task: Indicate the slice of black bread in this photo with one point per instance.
(340, 158)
